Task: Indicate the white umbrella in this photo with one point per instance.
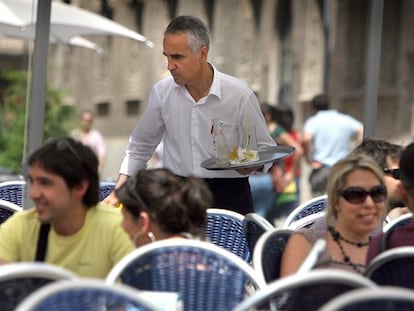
(66, 21)
(60, 22)
(85, 43)
(76, 41)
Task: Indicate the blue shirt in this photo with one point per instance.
(332, 133)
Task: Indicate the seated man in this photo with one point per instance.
(403, 235)
(79, 234)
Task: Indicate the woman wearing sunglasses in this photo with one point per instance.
(356, 204)
(159, 205)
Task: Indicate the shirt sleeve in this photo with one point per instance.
(10, 233)
(145, 137)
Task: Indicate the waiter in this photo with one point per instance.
(180, 111)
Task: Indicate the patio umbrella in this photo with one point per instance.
(75, 41)
(68, 23)
(17, 19)
(60, 22)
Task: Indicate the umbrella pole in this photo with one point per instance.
(37, 107)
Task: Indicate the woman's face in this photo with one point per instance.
(363, 214)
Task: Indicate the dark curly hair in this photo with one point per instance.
(176, 204)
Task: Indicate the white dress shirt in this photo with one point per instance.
(185, 125)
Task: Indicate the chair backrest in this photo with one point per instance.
(225, 229)
(254, 225)
(86, 295)
(17, 280)
(388, 228)
(206, 276)
(382, 298)
(267, 254)
(7, 209)
(310, 207)
(12, 191)
(393, 267)
(307, 221)
(105, 188)
(397, 222)
(313, 256)
(306, 291)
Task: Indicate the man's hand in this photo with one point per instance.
(250, 170)
(111, 199)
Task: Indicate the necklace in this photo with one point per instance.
(346, 259)
(337, 236)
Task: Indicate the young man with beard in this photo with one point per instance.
(77, 232)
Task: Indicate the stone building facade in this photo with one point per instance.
(278, 46)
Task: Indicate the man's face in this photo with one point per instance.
(52, 198)
(394, 197)
(183, 64)
(85, 121)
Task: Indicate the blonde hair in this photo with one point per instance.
(339, 174)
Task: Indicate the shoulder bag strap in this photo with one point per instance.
(42, 242)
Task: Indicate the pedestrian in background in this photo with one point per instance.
(90, 136)
(328, 136)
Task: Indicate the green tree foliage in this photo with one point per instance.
(58, 117)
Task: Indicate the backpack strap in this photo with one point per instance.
(42, 242)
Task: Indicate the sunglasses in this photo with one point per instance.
(64, 145)
(394, 172)
(131, 186)
(358, 195)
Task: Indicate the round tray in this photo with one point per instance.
(265, 156)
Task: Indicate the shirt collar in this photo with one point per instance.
(215, 88)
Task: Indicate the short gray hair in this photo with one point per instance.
(197, 31)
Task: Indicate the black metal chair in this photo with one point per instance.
(7, 209)
(12, 191)
(85, 295)
(105, 188)
(393, 267)
(310, 207)
(307, 221)
(254, 226)
(206, 276)
(267, 254)
(391, 226)
(225, 229)
(372, 299)
(17, 280)
(307, 291)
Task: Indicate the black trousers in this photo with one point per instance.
(232, 194)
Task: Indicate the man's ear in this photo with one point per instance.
(81, 189)
(204, 52)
